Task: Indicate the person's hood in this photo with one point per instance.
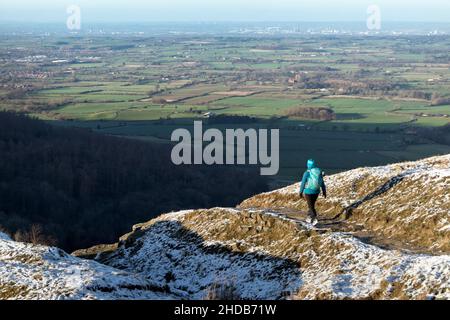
(310, 164)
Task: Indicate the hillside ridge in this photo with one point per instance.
(407, 203)
(375, 256)
(264, 249)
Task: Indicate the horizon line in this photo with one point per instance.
(222, 21)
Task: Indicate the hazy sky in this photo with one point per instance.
(225, 10)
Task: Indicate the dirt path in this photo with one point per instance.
(344, 226)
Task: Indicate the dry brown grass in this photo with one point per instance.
(410, 212)
(11, 290)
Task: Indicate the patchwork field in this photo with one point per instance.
(387, 98)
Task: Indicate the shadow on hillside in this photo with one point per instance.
(181, 260)
(343, 145)
(388, 185)
(65, 182)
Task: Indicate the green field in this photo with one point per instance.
(381, 90)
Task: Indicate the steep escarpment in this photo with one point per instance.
(67, 181)
(190, 252)
(408, 203)
(394, 244)
(268, 256)
(38, 272)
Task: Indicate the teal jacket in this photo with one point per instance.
(311, 164)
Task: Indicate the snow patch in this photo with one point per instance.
(4, 237)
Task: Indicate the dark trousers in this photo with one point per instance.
(311, 200)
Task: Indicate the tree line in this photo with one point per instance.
(315, 113)
(78, 188)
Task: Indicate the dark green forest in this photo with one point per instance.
(75, 188)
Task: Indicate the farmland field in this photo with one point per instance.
(387, 98)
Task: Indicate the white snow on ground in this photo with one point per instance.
(341, 267)
(174, 258)
(37, 272)
(4, 236)
(170, 255)
(418, 169)
(362, 268)
(408, 201)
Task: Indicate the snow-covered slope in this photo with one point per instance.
(172, 253)
(404, 202)
(395, 245)
(266, 256)
(37, 272)
(4, 236)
